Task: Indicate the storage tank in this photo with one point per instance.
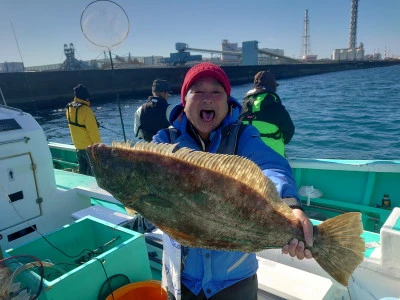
(336, 55)
(360, 54)
(180, 47)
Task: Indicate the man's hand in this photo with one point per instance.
(296, 248)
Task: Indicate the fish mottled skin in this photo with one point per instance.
(218, 201)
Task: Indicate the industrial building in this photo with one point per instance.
(230, 54)
(7, 67)
(352, 53)
(349, 54)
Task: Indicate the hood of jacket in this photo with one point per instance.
(82, 101)
(257, 91)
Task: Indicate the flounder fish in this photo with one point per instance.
(218, 201)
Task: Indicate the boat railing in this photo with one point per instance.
(377, 215)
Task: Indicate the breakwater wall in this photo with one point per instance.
(37, 90)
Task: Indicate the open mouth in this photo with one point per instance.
(207, 115)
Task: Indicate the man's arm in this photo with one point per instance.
(136, 124)
(277, 169)
(286, 126)
(92, 127)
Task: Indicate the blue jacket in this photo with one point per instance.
(213, 270)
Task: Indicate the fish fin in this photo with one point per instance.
(338, 247)
(234, 166)
(130, 211)
(126, 145)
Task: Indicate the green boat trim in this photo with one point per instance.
(347, 185)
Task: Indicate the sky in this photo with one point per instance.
(35, 31)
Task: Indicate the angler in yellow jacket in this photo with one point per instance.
(83, 126)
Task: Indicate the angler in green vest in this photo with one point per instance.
(263, 109)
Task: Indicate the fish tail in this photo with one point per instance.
(338, 247)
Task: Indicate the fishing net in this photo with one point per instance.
(105, 24)
(21, 277)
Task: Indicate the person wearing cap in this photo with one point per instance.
(263, 109)
(83, 126)
(153, 115)
(205, 120)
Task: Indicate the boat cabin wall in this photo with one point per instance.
(26, 169)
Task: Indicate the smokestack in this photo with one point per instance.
(353, 24)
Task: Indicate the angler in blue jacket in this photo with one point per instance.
(206, 120)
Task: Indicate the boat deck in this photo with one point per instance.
(67, 180)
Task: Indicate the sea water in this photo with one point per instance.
(344, 115)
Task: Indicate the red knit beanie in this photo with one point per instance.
(205, 70)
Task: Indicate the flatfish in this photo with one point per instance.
(218, 201)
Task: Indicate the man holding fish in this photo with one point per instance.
(220, 194)
(206, 108)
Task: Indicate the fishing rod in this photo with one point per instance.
(2, 96)
(25, 73)
(117, 94)
(110, 130)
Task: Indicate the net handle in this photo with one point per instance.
(34, 264)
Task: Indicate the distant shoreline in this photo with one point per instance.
(53, 89)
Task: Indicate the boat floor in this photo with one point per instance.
(66, 180)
